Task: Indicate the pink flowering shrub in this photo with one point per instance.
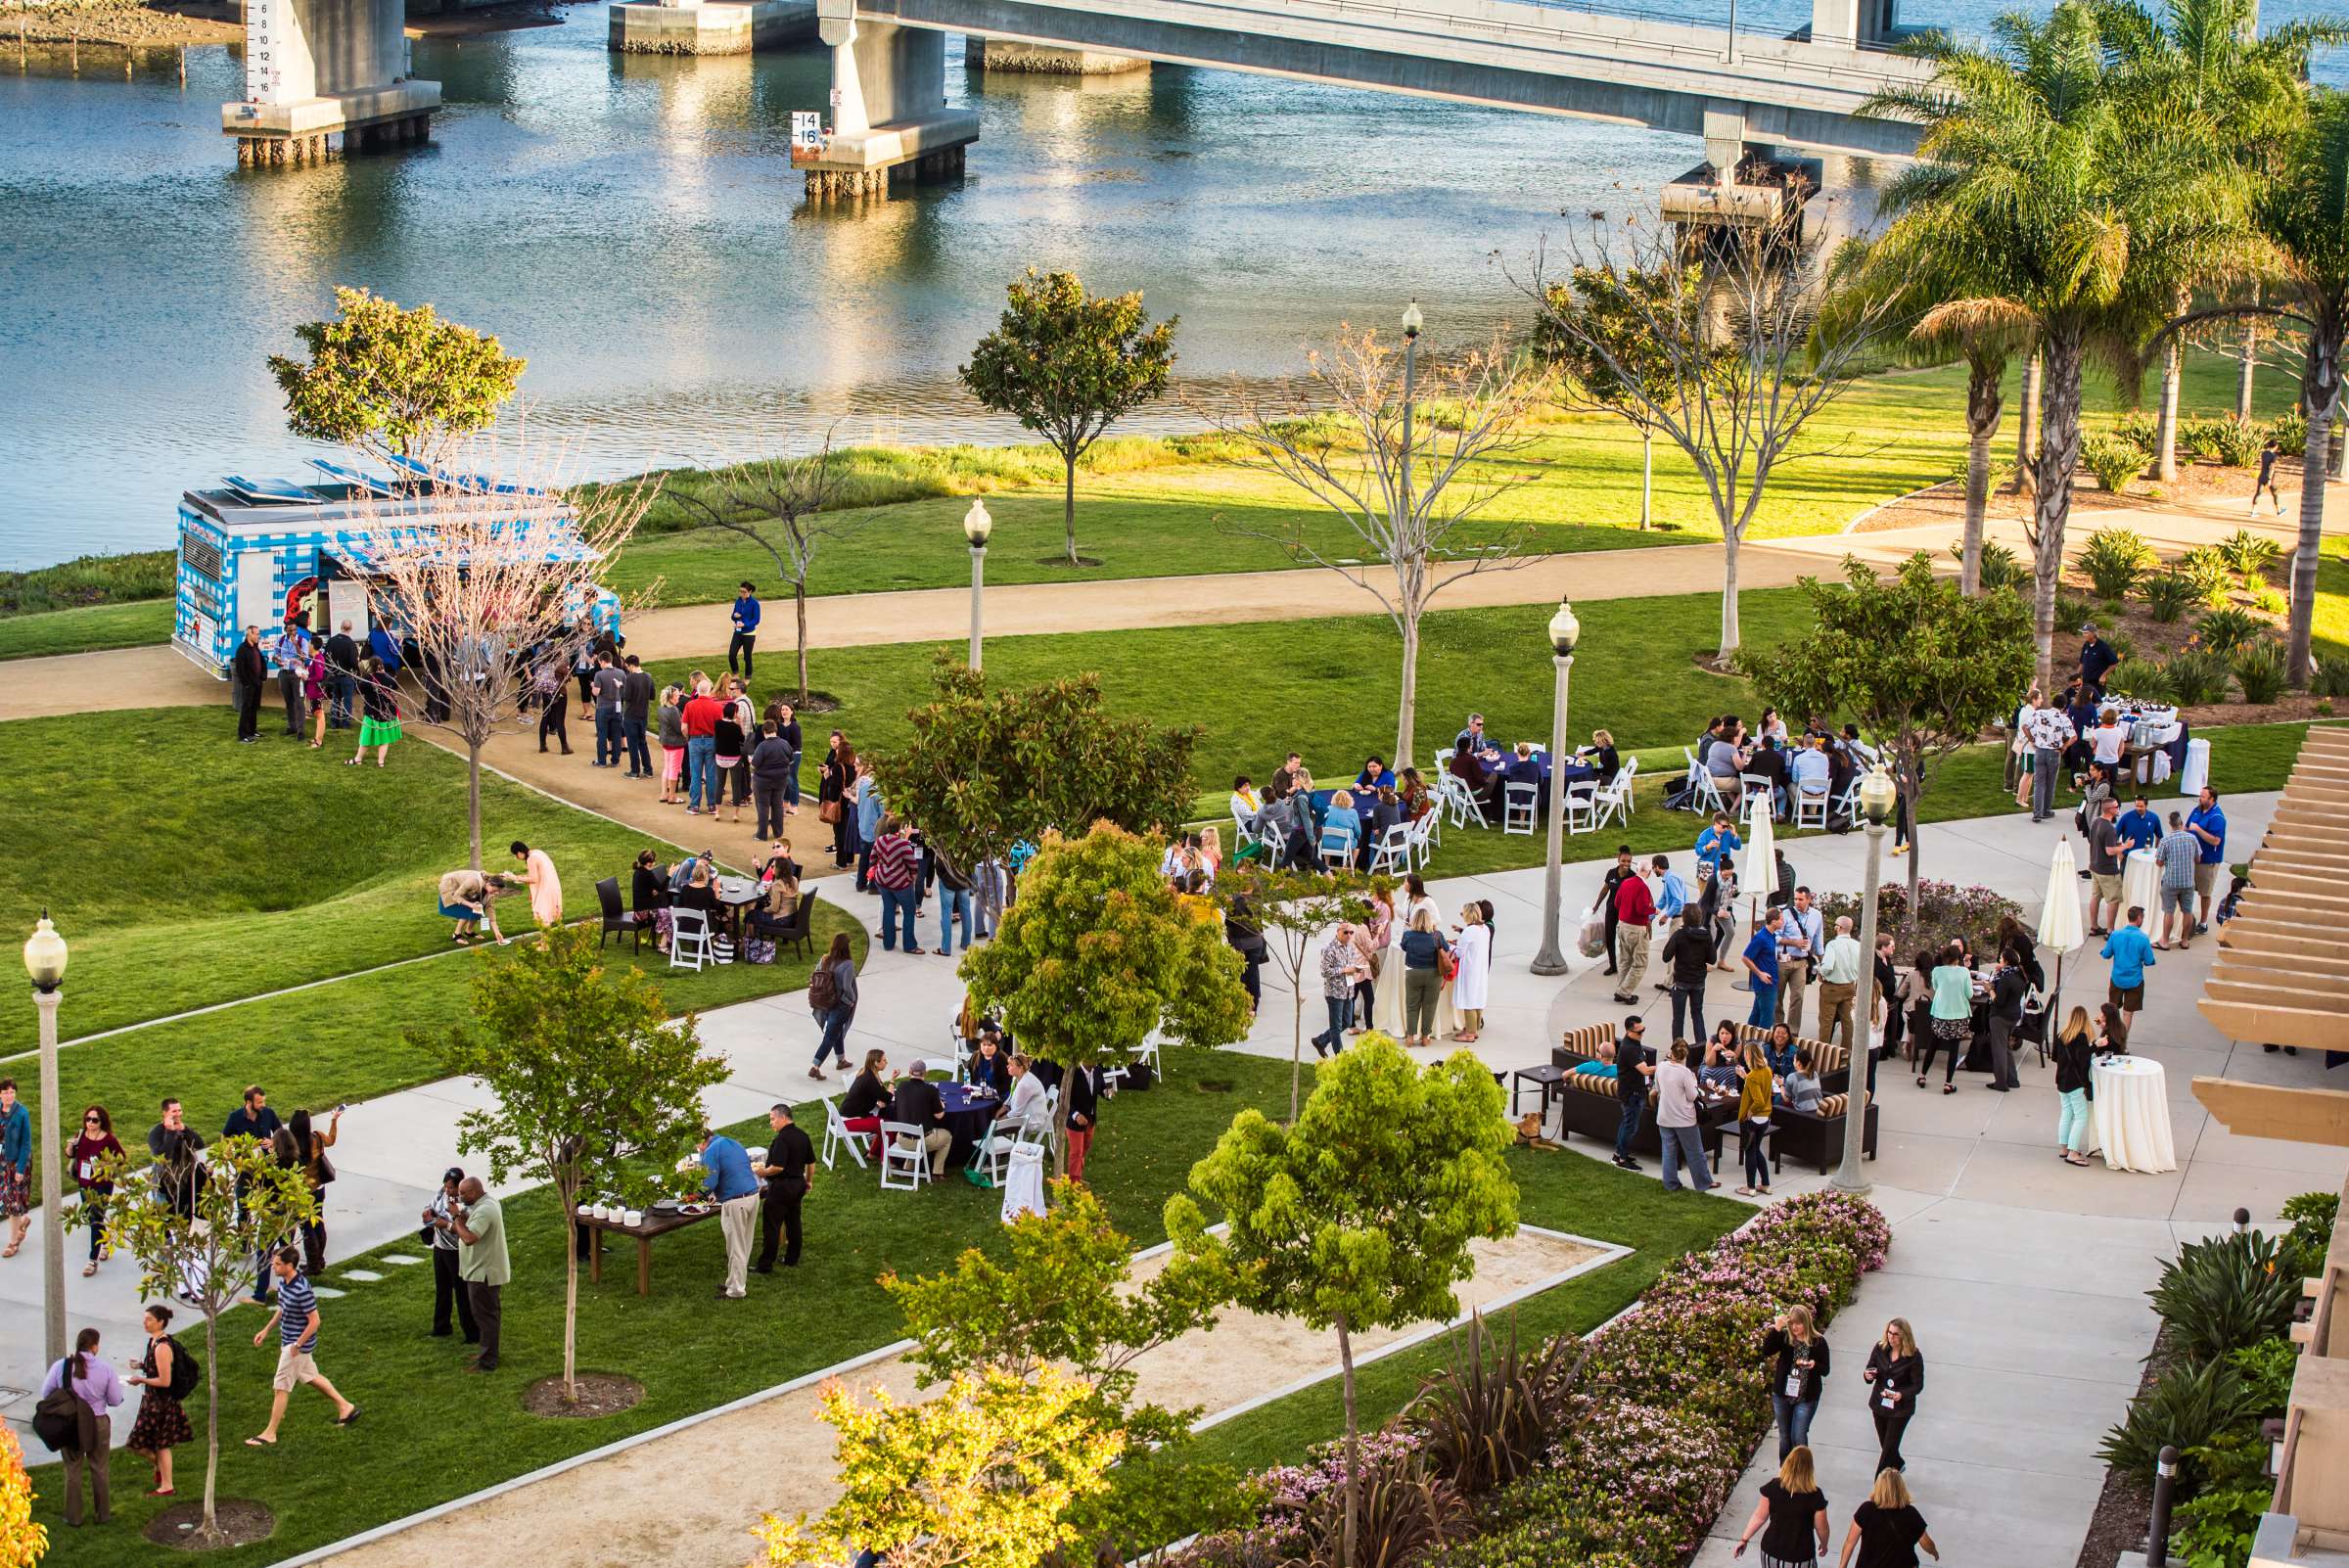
(1673, 1402)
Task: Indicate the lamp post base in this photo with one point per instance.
(1549, 962)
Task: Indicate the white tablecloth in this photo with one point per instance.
(2132, 1115)
(2140, 884)
(1024, 1179)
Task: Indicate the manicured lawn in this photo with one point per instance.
(187, 871)
(692, 1353)
(86, 629)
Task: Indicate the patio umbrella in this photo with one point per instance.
(2059, 924)
(1757, 871)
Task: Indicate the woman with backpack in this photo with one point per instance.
(78, 1425)
(168, 1374)
(832, 998)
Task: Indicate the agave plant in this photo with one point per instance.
(2113, 461)
(2330, 677)
(2140, 678)
(2187, 1407)
(2244, 551)
(2071, 614)
(2002, 568)
(1488, 1419)
(2209, 573)
(2259, 669)
(2197, 677)
(2168, 594)
(2224, 630)
(2221, 1295)
(2114, 559)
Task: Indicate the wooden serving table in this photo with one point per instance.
(657, 1223)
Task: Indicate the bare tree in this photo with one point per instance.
(497, 581)
(795, 494)
(1408, 481)
(1732, 359)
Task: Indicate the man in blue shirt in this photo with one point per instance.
(2131, 953)
(1719, 842)
(1672, 894)
(1762, 969)
(290, 656)
(2140, 825)
(746, 628)
(2208, 824)
(734, 1187)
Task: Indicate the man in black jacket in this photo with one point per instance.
(773, 763)
(246, 669)
(1081, 1100)
(915, 1103)
(788, 1170)
(635, 712)
(341, 676)
(2005, 1017)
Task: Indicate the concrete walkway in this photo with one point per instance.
(159, 676)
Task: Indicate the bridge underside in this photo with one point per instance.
(1700, 109)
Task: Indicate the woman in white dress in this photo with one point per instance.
(1473, 987)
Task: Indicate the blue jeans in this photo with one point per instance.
(790, 782)
(2071, 1125)
(342, 691)
(896, 902)
(1794, 1421)
(700, 771)
(640, 754)
(1689, 1001)
(1682, 1146)
(836, 1036)
(1341, 1012)
(949, 904)
(1634, 1107)
(608, 741)
(1764, 1010)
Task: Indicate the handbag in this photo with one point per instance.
(828, 811)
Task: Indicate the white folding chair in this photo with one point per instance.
(1394, 850)
(837, 1135)
(689, 939)
(1242, 837)
(1520, 807)
(1613, 803)
(1337, 849)
(1757, 794)
(1582, 807)
(1465, 806)
(957, 1044)
(993, 1159)
(1146, 1054)
(1628, 776)
(904, 1157)
(1708, 792)
(1423, 837)
(1811, 806)
(1847, 805)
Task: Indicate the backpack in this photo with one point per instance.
(761, 950)
(823, 989)
(54, 1420)
(185, 1371)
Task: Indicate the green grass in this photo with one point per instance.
(88, 580)
(187, 871)
(85, 629)
(1559, 1191)
(432, 1431)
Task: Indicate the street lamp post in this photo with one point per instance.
(976, 525)
(45, 963)
(1564, 631)
(1877, 797)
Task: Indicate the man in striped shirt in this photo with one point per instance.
(297, 1321)
(896, 873)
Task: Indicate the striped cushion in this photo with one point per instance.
(1585, 1042)
(1824, 1058)
(1833, 1105)
(1590, 1083)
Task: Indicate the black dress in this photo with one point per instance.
(163, 1421)
(1790, 1539)
(1888, 1537)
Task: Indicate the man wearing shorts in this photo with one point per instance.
(2208, 824)
(2104, 868)
(2131, 953)
(2177, 854)
(297, 1321)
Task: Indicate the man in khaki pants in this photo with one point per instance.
(1634, 915)
(1838, 982)
(731, 1184)
(1799, 943)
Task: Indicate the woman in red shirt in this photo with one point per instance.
(91, 1150)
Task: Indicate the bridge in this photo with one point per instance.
(1733, 89)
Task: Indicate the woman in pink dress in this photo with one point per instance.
(546, 888)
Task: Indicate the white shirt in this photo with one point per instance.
(1025, 1111)
(2108, 740)
(2050, 729)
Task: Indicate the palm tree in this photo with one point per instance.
(2072, 223)
(2303, 214)
(1905, 280)
(2204, 63)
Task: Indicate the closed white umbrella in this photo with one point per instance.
(1758, 872)
(2059, 923)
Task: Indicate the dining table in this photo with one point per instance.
(2130, 1114)
(969, 1109)
(734, 895)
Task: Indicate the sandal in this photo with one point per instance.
(350, 761)
(89, 1269)
(10, 1250)
(260, 1443)
(1949, 1088)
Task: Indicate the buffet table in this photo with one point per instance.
(658, 1222)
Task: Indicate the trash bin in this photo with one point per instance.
(2196, 772)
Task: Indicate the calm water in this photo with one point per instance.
(634, 227)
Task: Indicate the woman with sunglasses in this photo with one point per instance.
(89, 1155)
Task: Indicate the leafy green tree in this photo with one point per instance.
(392, 382)
(984, 769)
(590, 1083)
(1067, 364)
(1291, 908)
(1910, 659)
(1598, 332)
(1359, 1216)
(1097, 951)
(987, 1475)
(2075, 223)
(2304, 215)
(1061, 1296)
(210, 1258)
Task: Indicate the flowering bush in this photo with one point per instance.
(1943, 910)
(21, 1542)
(1672, 1401)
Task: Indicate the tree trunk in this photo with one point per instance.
(1068, 506)
(1647, 475)
(2165, 437)
(1982, 407)
(2026, 425)
(472, 792)
(570, 1297)
(1728, 593)
(1912, 783)
(2242, 377)
(2051, 506)
(2321, 395)
(1410, 686)
(1296, 1039)
(211, 1424)
(799, 603)
(1354, 1447)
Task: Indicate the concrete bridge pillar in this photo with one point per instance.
(888, 105)
(315, 68)
(1725, 139)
